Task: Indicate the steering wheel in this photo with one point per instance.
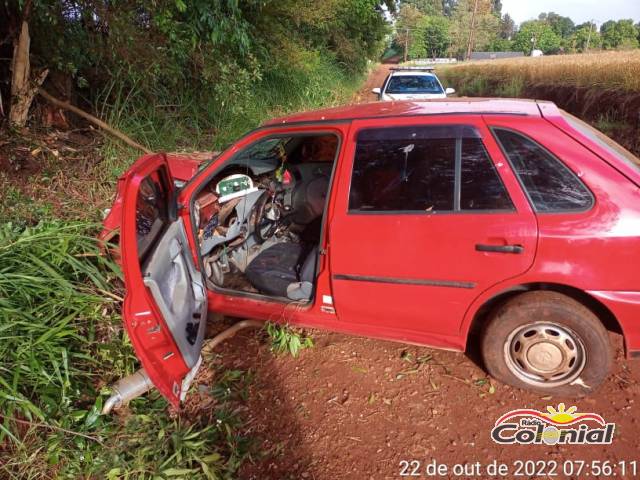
(267, 216)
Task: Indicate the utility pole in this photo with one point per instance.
(472, 30)
(589, 36)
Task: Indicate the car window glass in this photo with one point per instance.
(550, 185)
(481, 186)
(268, 150)
(399, 169)
(414, 169)
(151, 212)
(410, 84)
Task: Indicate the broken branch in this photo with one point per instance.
(96, 121)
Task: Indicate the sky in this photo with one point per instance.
(580, 11)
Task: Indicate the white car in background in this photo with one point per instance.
(412, 83)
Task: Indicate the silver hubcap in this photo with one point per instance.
(545, 354)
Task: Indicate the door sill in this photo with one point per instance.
(259, 296)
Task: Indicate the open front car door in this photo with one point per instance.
(165, 307)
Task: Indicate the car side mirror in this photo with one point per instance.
(450, 91)
(377, 91)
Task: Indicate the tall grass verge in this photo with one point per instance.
(210, 120)
(51, 302)
(60, 343)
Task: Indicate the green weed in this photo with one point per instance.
(60, 342)
(285, 339)
(19, 208)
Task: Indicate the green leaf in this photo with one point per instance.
(178, 472)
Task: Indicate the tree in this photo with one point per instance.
(586, 37)
(473, 26)
(562, 26)
(536, 34)
(427, 7)
(449, 6)
(620, 34)
(500, 45)
(406, 29)
(203, 50)
(507, 27)
(496, 8)
(24, 87)
(431, 37)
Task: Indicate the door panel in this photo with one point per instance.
(165, 304)
(418, 271)
(178, 291)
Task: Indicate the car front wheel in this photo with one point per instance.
(547, 342)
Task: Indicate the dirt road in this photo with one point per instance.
(354, 408)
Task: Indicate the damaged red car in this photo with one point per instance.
(506, 226)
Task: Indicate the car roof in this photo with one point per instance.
(448, 106)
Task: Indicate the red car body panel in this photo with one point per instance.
(441, 251)
(595, 252)
(182, 167)
(147, 329)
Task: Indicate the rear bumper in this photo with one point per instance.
(625, 306)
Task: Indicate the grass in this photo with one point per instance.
(61, 336)
(202, 121)
(60, 342)
(603, 70)
(18, 208)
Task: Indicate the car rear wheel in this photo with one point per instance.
(547, 342)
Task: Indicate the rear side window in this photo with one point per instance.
(549, 184)
(424, 169)
(151, 211)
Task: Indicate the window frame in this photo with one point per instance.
(267, 132)
(592, 197)
(164, 177)
(457, 185)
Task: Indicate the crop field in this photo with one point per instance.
(602, 88)
(604, 71)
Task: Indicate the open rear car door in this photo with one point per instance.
(165, 307)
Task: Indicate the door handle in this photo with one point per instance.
(499, 248)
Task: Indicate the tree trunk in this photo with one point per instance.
(472, 31)
(23, 90)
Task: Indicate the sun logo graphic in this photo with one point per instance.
(555, 426)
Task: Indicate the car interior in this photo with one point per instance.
(259, 217)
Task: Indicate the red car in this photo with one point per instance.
(506, 225)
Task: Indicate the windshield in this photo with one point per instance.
(410, 84)
(602, 140)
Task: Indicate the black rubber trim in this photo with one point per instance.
(634, 354)
(405, 281)
(499, 248)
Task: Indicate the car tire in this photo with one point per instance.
(546, 342)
